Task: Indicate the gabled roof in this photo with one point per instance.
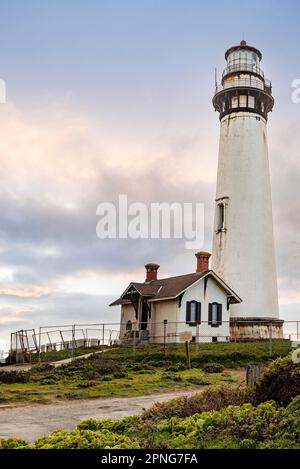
(172, 287)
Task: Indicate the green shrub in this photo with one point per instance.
(177, 367)
(120, 374)
(280, 382)
(85, 439)
(115, 426)
(47, 381)
(9, 377)
(245, 426)
(169, 376)
(214, 398)
(213, 368)
(198, 380)
(42, 368)
(86, 384)
(107, 378)
(13, 443)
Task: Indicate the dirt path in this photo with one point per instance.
(34, 421)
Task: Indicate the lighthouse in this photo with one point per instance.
(243, 243)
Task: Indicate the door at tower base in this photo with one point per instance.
(255, 329)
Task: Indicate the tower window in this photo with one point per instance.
(220, 217)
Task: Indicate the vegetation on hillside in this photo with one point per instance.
(281, 382)
(230, 354)
(222, 416)
(99, 376)
(124, 372)
(233, 427)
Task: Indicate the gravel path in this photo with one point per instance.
(33, 421)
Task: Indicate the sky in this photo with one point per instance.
(114, 97)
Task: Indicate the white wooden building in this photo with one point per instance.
(198, 302)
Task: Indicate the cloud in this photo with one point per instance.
(284, 160)
(56, 168)
(57, 165)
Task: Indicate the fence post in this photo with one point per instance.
(40, 345)
(103, 333)
(187, 352)
(63, 345)
(165, 334)
(73, 340)
(197, 336)
(35, 341)
(134, 337)
(270, 340)
(11, 348)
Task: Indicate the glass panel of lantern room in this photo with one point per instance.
(243, 101)
(234, 102)
(233, 61)
(251, 102)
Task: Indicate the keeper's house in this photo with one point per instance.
(198, 303)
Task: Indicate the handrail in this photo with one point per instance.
(243, 66)
(246, 83)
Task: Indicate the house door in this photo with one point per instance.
(144, 318)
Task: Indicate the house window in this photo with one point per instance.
(215, 314)
(193, 316)
(193, 312)
(220, 216)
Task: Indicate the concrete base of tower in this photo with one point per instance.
(255, 328)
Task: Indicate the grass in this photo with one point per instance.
(229, 354)
(136, 383)
(124, 372)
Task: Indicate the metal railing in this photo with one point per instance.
(28, 345)
(242, 65)
(246, 83)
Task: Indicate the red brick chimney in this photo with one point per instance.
(202, 261)
(151, 272)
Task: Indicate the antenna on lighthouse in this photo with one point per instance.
(216, 78)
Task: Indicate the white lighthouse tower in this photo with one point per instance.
(243, 244)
